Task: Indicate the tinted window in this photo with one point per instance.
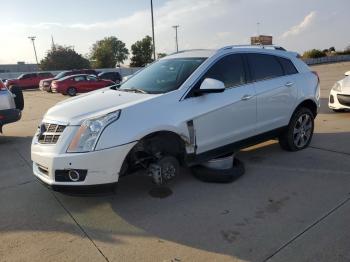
(264, 66)
(79, 78)
(229, 70)
(288, 67)
(45, 74)
(91, 78)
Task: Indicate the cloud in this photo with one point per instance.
(301, 27)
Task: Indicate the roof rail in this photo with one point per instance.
(275, 47)
(189, 50)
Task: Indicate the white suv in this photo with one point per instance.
(184, 109)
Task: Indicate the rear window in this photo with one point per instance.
(45, 74)
(264, 66)
(288, 66)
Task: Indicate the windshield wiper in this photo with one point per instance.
(136, 90)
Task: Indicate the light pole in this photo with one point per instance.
(154, 44)
(32, 38)
(176, 41)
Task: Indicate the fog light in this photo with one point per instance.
(331, 99)
(73, 175)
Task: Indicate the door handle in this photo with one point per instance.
(288, 84)
(246, 97)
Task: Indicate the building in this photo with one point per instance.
(261, 40)
(19, 67)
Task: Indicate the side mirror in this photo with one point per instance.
(347, 73)
(210, 85)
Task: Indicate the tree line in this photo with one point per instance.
(317, 53)
(109, 52)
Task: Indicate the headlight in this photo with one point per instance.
(90, 130)
(337, 87)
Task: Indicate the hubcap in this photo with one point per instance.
(302, 130)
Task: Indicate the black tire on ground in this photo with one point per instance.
(19, 100)
(338, 110)
(299, 132)
(219, 176)
(72, 91)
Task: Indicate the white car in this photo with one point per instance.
(184, 109)
(339, 97)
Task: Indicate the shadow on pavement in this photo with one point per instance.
(279, 196)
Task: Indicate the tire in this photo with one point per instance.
(338, 110)
(299, 132)
(72, 91)
(210, 175)
(19, 100)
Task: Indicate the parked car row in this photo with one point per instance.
(44, 80)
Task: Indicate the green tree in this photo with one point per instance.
(314, 53)
(161, 55)
(142, 52)
(63, 58)
(108, 53)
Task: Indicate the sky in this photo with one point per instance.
(297, 25)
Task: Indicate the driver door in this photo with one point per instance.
(227, 117)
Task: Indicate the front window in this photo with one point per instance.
(163, 76)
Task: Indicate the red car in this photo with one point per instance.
(28, 81)
(71, 85)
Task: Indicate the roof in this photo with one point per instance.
(210, 52)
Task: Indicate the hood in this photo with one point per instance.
(345, 84)
(75, 110)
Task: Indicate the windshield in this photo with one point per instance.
(60, 75)
(163, 76)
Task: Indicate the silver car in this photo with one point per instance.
(11, 104)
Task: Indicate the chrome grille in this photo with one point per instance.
(50, 133)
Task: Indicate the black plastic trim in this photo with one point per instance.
(193, 159)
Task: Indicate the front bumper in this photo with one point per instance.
(338, 100)
(102, 167)
(46, 88)
(9, 116)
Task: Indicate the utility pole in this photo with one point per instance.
(32, 38)
(176, 41)
(258, 28)
(154, 43)
(52, 43)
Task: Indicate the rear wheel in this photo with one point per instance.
(299, 132)
(72, 91)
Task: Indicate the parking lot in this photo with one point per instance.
(287, 207)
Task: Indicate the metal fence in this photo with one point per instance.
(327, 59)
(122, 70)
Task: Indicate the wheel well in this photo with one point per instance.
(151, 147)
(310, 105)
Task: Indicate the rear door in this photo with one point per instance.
(93, 83)
(28, 81)
(81, 83)
(275, 90)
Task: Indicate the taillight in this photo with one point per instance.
(316, 74)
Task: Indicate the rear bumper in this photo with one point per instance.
(9, 116)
